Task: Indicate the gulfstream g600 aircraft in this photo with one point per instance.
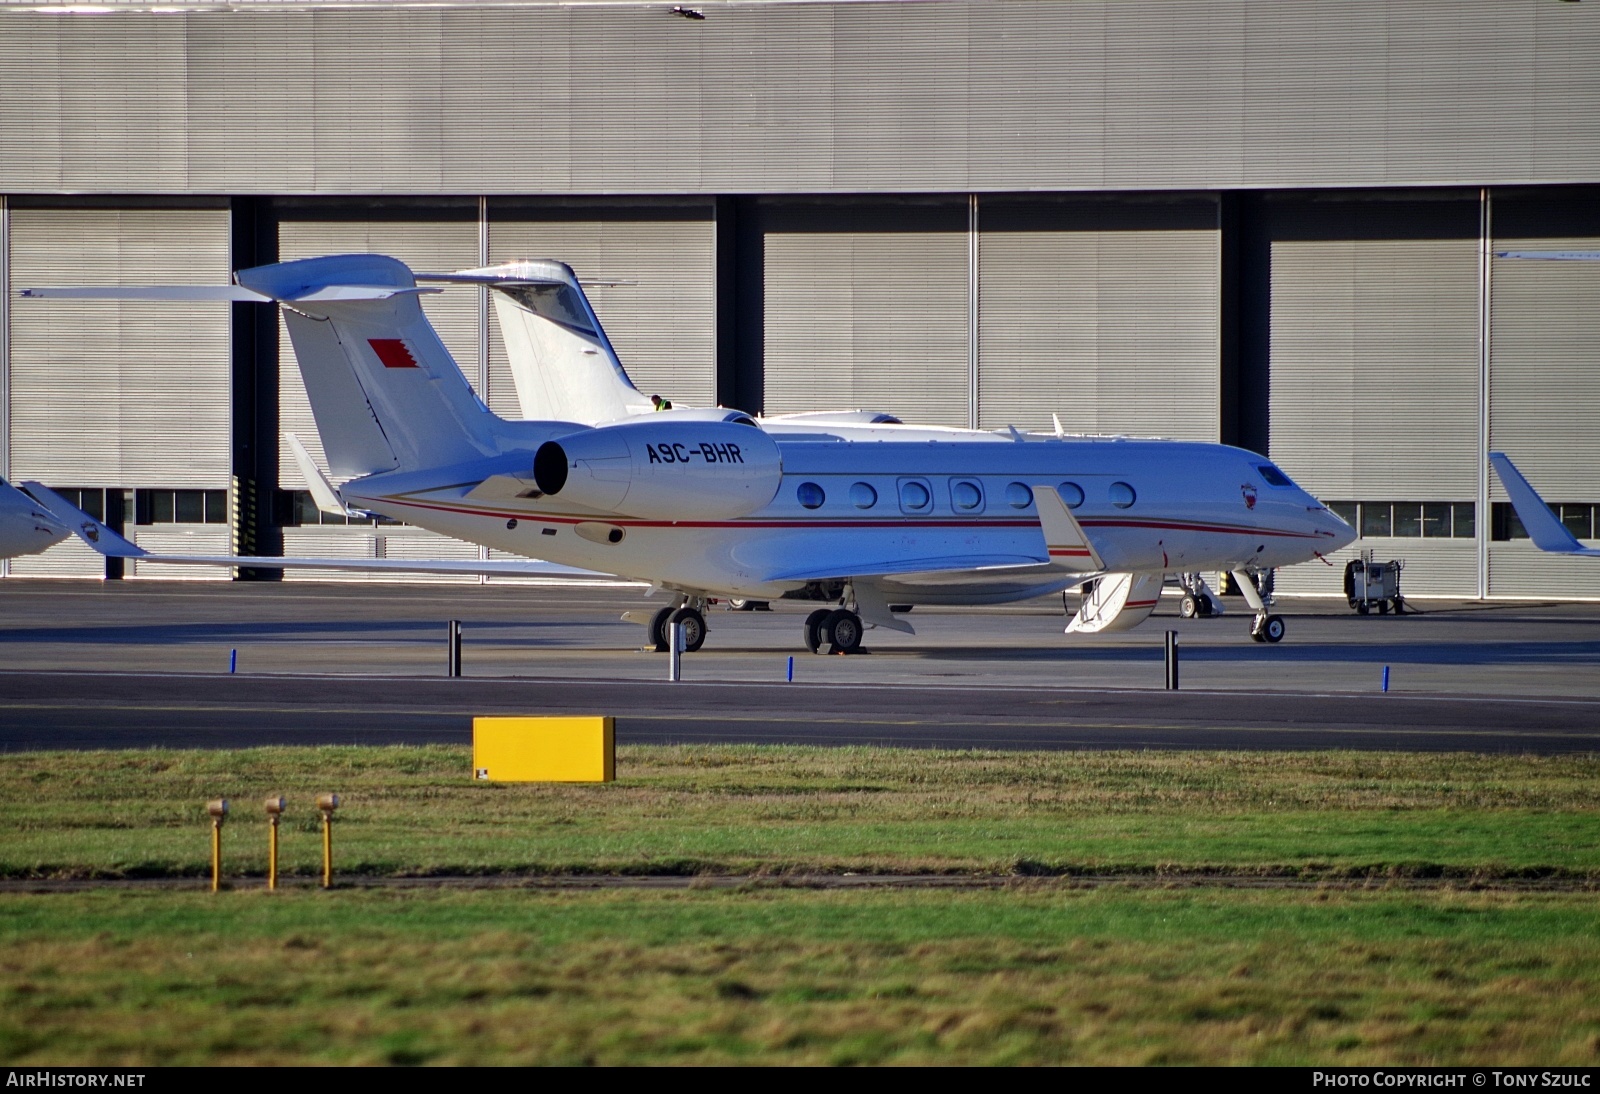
(852, 514)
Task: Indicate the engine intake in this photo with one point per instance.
(663, 470)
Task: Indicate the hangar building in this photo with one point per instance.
(1268, 224)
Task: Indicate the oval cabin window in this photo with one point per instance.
(811, 495)
(1122, 495)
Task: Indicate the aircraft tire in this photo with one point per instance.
(814, 638)
(694, 628)
(658, 629)
(1273, 629)
(843, 629)
(1188, 607)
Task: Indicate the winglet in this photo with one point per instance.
(96, 535)
(322, 491)
(1063, 536)
(1544, 527)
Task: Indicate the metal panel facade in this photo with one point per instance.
(1374, 348)
(1544, 387)
(866, 308)
(1105, 313)
(949, 95)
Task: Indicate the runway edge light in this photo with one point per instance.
(552, 750)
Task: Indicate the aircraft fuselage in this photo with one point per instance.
(1146, 505)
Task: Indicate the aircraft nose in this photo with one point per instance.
(1330, 522)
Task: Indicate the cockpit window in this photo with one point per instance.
(1272, 475)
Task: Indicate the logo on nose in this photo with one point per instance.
(1249, 493)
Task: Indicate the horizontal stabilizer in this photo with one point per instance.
(110, 544)
(221, 294)
(1553, 256)
(1544, 527)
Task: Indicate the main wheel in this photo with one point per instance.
(814, 637)
(1188, 607)
(1273, 629)
(843, 629)
(694, 628)
(658, 629)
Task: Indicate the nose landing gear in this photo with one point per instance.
(1265, 627)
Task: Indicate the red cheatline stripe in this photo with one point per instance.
(910, 523)
(393, 352)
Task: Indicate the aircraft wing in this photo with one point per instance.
(922, 567)
(110, 544)
(1544, 527)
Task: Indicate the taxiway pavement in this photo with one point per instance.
(137, 664)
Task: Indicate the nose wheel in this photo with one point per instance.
(1269, 628)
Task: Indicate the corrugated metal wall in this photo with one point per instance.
(1544, 376)
(662, 324)
(947, 96)
(1374, 373)
(1103, 312)
(866, 306)
(109, 393)
(1374, 367)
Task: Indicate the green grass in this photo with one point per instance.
(774, 810)
(1043, 974)
(1038, 972)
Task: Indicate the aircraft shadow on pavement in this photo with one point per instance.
(1377, 653)
(250, 631)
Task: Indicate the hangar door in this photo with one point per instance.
(865, 305)
(1103, 312)
(427, 237)
(1544, 388)
(1374, 377)
(125, 396)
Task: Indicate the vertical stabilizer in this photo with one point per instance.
(563, 365)
(385, 392)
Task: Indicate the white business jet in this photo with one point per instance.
(26, 526)
(701, 503)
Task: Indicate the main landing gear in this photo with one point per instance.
(691, 619)
(839, 629)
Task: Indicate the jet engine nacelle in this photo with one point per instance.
(663, 470)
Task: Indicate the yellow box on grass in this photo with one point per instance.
(544, 750)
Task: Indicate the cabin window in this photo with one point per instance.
(1018, 496)
(811, 495)
(863, 496)
(1122, 495)
(966, 496)
(915, 496)
(1071, 493)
